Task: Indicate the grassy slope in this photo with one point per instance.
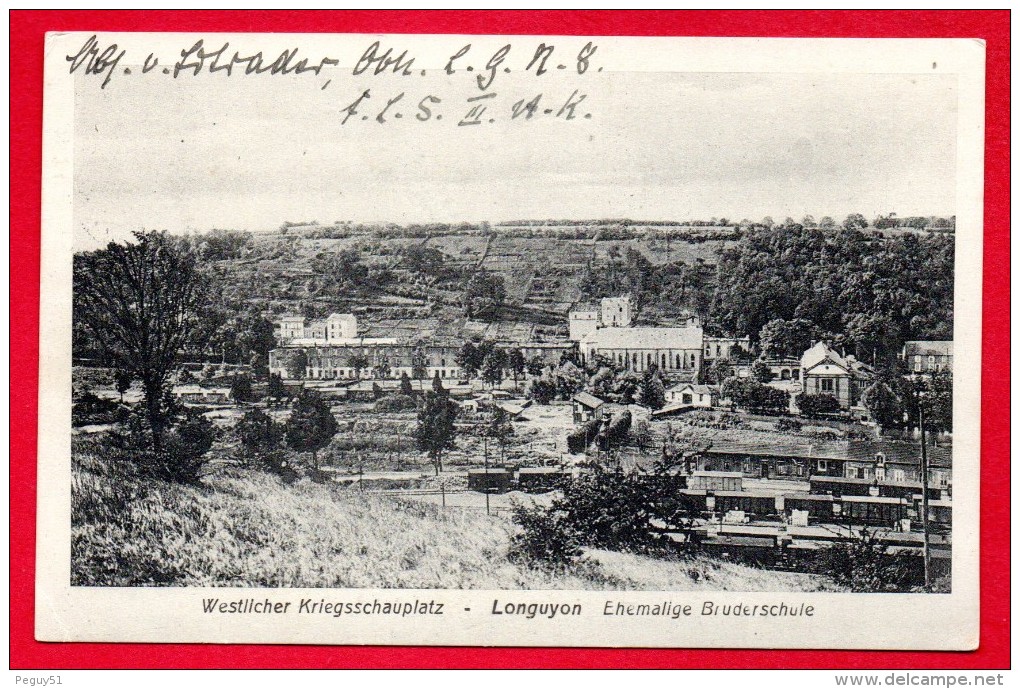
(249, 529)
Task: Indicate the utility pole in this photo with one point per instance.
(924, 495)
(485, 441)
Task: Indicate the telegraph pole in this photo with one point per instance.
(485, 440)
(924, 496)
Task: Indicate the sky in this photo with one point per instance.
(251, 153)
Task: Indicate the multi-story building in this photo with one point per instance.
(726, 347)
(612, 312)
(290, 328)
(616, 312)
(337, 328)
(670, 350)
(376, 357)
(826, 372)
(928, 356)
(583, 319)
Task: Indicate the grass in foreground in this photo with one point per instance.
(246, 528)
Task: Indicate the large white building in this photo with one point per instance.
(671, 350)
(337, 328)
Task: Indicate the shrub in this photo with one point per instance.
(579, 439)
(786, 424)
(864, 564)
(545, 540)
(185, 445)
(753, 395)
(816, 406)
(615, 434)
(605, 509)
(91, 409)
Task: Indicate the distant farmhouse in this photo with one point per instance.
(928, 356)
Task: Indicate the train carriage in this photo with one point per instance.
(818, 507)
(867, 510)
(755, 505)
(540, 479)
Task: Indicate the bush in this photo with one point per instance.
(579, 439)
(394, 403)
(182, 457)
(605, 509)
(755, 396)
(864, 564)
(545, 540)
(92, 409)
(817, 406)
(785, 424)
(615, 434)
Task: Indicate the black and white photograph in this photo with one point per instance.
(562, 320)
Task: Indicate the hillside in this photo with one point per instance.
(406, 286)
(244, 528)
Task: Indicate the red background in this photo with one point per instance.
(27, 32)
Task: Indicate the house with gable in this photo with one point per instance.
(824, 371)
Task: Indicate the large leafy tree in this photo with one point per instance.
(516, 364)
(436, 432)
(140, 303)
(483, 296)
(493, 367)
(651, 391)
(785, 338)
(311, 425)
(884, 405)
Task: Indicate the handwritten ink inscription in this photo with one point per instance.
(483, 71)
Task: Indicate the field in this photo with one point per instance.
(245, 528)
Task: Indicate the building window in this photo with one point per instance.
(687, 399)
(827, 385)
(823, 465)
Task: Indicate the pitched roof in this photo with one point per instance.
(819, 353)
(699, 389)
(645, 338)
(928, 347)
(896, 452)
(588, 400)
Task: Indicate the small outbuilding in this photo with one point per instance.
(489, 480)
(586, 407)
